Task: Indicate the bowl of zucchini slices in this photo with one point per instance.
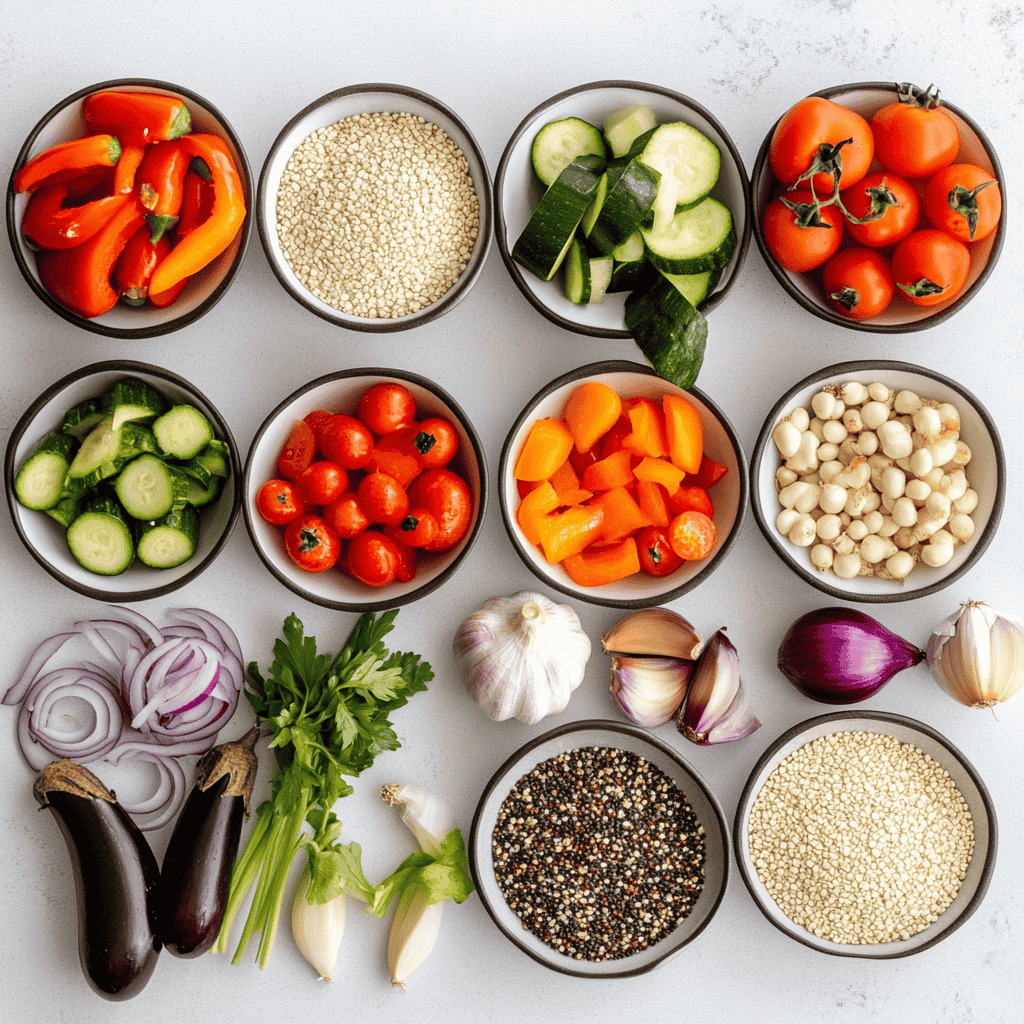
(122, 481)
(623, 210)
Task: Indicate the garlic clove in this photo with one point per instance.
(413, 935)
(716, 709)
(649, 690)
(654, 631)
(318, 928)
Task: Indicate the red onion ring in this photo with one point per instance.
(161, 806)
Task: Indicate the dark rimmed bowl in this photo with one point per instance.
(340, 392)
(932, 743)
(729, 494)
(206, 288)
(367, 98)
(623, 737)
(44, 538)
(986, 473)
(517, 192)
(902, 316)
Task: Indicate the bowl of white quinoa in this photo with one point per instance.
(865, 835)
(374, 208)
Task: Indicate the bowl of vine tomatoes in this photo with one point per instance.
(620, 488)
(878, 206)
(365, 489)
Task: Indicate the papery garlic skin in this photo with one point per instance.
(318, 928)
(425, 814)
(522, 656)
(977, 655)
(649, 691)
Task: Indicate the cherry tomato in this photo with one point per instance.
(963, 200)
(799, 238)
(689, 497)
(405, 570)
(311, 544)
(655, 552)
(298, 451)
(812, 135)
(382, 498)
(858, 282)
(436, 442)
(387, 406)
(930, 266)
(446, 496)
(345, 516)
(346, 441)
(322, 482)
(417, 529)
(892, 204)
(692, 535)
(316, 419)
(914, 137)
(278, 501)
(372, 558)
(396, 455)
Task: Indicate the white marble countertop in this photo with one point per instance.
(747, 62)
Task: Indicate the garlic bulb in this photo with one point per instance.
(650, 690)
(522, 656)
(977, 655)
(318, 927)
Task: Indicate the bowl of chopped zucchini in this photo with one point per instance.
(610, 193)
(123, 481)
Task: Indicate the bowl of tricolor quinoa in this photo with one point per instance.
(865, 835)
(374, 208)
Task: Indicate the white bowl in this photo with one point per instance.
(45, 539)
(986, 473)
(328, 110)
(622, 737)
(340, 392)
(206, 288)
(936, 746)
(729, 494)
(517, 192)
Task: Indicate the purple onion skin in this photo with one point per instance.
(842, 656)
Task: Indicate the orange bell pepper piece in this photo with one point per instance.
(615, 439)
(567, 533)
(546, 447)
(685, 432)
(708, 475)
(622, 515)
(613, 471)
(538, 503)
(661, 471)
(567, 484)
(651, 499)
(604, 565)
(648, 435)
(67, 160)
(592, 410)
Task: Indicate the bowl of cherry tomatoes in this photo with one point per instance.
(620, 488)
(365, 489)
(879, 206)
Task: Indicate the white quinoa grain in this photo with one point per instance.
(377, 214)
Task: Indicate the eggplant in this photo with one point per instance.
(116, 878)
(196, 873)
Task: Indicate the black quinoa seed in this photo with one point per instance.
(599, 853)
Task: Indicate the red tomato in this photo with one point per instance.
(316, 419)
(446, 496)
(322, 482)
(298, 451)
(382, 498)
(817, 134)
(890, 204)
(396, 455)
(417, 529)
(436, 442)
(311, 544)
(963, 200)
(800, 239)
(692, 535)
(914, 137)
(930, 266)
(858, 282)
(372, 558)
(655, 552)
(387, 406)
(405, 570)
(345, 516)
(346, 441)
(279, 503)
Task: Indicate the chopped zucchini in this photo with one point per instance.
(182, 432)
(695, 288)
(104, 451)
(64, 512)
(99, 538)
(696, 239)
(132, 399)
(577, 273)
(600, 277)
(631, 250)
(81, 418)
(149, 488)
(590, 217)
(200, 494)
(170, 540)
(622, 127)
(39, 483)
(558, 143)
(632, 188)
(670, 332)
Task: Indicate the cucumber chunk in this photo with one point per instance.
(695, 288)
(632, 188)
(200, 494)
(624, 126)
(670, 332)
(64, 512)
(148, 488)
(132, 399)
(631, 250)
(170, 540)
(600, 277)
(577, 274)
(696, 239)
(81, 418)
(590, 217)
(39, 483)
(558, 143)
(104, 452)
(182, 432)
(689, 163)
(99, 539)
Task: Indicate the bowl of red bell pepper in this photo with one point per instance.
(619, 488)
(128, 207)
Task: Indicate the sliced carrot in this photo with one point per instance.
(692, 535)
(547, 446)
(685, 432)
(599, 566)
(567, 533)
(592, 410)
(537, 503)
(687, 499)
(613, 471)
(708, 475)
(622, 515)
(567, 484)
(661, 471)
(648, 436)
(653, 502)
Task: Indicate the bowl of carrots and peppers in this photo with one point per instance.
(620, 488)
(128, 207)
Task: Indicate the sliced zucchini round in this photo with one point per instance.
(558, 143)
(696, 239)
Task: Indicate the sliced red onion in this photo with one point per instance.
(716, 709)
(162, 805)
(40, 656)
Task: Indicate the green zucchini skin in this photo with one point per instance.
(699, 238)
(632, 188)
(668, 330)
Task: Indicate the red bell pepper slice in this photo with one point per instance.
(124, 173)
(136, 264)
(161, 183)
(136, 118)
(196, 204)
(49, 224)
(67, 160)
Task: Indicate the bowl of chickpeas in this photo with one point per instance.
(878, 481)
